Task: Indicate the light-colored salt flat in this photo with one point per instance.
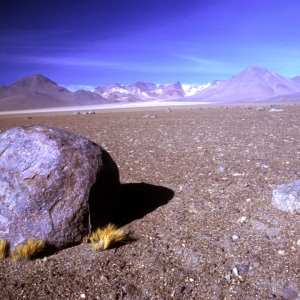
(104, 107)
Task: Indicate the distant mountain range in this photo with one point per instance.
(254, 84)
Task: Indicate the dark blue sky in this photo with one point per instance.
(98, 42)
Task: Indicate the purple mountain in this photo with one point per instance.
(252, 84)
(141, 91)
(37, 91)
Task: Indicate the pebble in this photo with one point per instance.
(179, 290)
(242, 219)
(242, 269)
(260, 108)
(235, 272)
(129, 289)
(189, 287)
(289, 294)
(113, 296)
(82, 296)
(235, 237)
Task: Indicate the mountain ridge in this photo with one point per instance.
(254, 84)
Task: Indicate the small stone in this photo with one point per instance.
(276, 110)
(235, 272)
(82, 296)
(242, 269)
(242, 219)
(179, 290)
(228, 278)
(214, 287)
(129, 289)
(235, 237)
(103, 278)
(289, 294)
(287, 197)
(113, 296)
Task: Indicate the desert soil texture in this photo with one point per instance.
(196, 189)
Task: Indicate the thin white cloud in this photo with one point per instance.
(208, 66)
(115, 64)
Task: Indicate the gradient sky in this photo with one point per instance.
(98, 42)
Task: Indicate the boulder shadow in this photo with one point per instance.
(140, 199)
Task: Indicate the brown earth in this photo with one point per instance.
(222, 165)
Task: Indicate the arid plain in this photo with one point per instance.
(197, 187)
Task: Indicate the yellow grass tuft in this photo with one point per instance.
(30, 249)
(13, 255)
(85, 239)
(103, 238)
(3, 248)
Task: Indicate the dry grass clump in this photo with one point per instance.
(29, 250)
(103, 238)
(85, 240)
(3, 248)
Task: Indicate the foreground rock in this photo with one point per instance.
(287, 197)
(54, 186)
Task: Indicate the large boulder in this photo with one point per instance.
(54, 186)
(287, 197)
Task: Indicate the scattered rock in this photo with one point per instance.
(275, 110)
(235, 272)
(129, 289)
(179, 290)
(149, 116)
(169, 110)
(259, 108)
(242, 269)
(235, 237)
(287, 197)
(91, 112)
(52, 183)
(288, 294)
(113, 296)
(242, 220)
(189, 287)
(76, 113)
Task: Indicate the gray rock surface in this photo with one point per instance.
(287, 197)
(54, 186)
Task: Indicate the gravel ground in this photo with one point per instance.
(197, 187)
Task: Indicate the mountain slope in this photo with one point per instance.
(252, 84)
(141, 91)
(30, 100)
(37, 91)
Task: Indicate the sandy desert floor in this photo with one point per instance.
(197, 187)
